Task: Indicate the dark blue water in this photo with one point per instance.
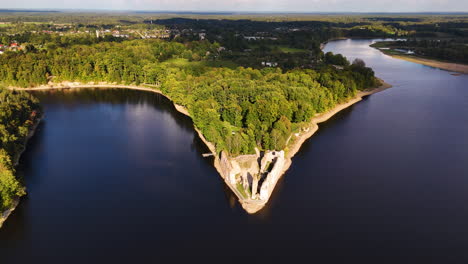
(117, 176)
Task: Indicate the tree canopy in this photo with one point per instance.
(18, 112)
(236, 108)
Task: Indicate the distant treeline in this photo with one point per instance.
(26, 11)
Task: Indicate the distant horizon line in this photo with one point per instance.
(213, 12)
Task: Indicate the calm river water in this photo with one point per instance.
(117, 176)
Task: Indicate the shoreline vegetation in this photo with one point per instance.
(10, 162)
(223, 163)
(386, 48)
(5, 214)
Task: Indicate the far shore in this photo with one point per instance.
(251, 206)
(448, 66)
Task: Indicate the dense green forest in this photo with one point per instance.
(247, 81)
(237, 108)
(18, 112)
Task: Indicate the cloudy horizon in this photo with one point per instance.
(303, 6)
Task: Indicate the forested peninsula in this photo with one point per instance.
(254, 90)
(240, 111)
(19, 115)
(237, 109)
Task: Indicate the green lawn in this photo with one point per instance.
(381, 44)
(286, 49)
(241, 190)
(187, 63)
(282, 48)
(221, 63)
(386, 44)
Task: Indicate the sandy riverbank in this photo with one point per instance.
(455, 67)
(448, 66)
(251, 206)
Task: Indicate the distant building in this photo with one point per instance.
(269, 64)
(117, 34)
(202, 36)
(252, 38)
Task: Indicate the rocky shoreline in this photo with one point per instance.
(4, 215)
(245, 173)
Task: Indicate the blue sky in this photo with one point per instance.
(249, 5)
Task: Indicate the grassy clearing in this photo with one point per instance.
(388, 49)
(241, 190)
(267, 168)
(221, 63)
(381, 44)
(184, 63)
(286, 49)
(281, 48)
(394, 52)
